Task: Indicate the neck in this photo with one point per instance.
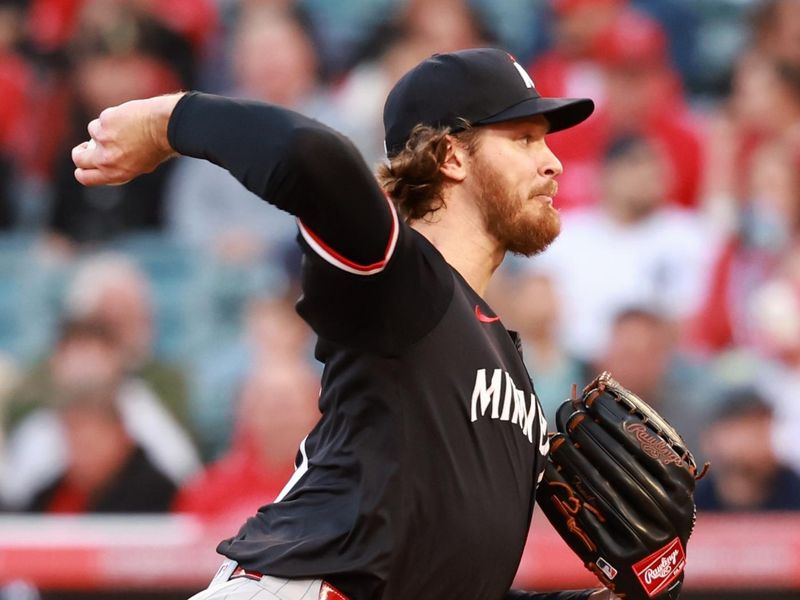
(458, 232)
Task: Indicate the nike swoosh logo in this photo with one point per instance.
(484, 318)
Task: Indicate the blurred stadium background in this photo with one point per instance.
(155, 381)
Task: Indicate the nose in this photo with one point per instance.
(549, 165)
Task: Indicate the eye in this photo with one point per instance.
(526, 139)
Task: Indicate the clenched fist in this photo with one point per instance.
(125, 141)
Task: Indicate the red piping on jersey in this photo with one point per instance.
(354, 265)
(484, 318)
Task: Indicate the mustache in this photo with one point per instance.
(547, 189)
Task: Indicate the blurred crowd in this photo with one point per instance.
(150, 356)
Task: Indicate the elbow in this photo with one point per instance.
(317, 150)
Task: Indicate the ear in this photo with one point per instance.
(453, 166)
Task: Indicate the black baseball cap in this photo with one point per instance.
(480, 86)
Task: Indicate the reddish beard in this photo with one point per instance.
(520, 223)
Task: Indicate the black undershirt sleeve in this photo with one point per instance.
(293, 162)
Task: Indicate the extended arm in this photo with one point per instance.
(292, 161)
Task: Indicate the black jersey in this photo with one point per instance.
(419, 479)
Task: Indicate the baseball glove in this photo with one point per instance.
(619, 488)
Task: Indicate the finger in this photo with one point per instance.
(93, 177)
(95, 129)
(83, 155)
(88, 177)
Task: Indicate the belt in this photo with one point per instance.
(326, 592)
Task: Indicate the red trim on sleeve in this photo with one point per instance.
(320, 245)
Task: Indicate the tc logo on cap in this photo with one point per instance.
(522, 73)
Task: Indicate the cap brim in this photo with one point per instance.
(561, 113)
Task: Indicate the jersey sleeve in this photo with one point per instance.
(299, 165)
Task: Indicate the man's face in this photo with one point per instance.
(125, 308)
(744, 466)
(639, 353)
(635, 183)
(513, 173)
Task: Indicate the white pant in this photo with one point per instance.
(266, 588)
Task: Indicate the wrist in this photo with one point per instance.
(160, 113)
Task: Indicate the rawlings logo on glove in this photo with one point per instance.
(653, 445)
(661, 568)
